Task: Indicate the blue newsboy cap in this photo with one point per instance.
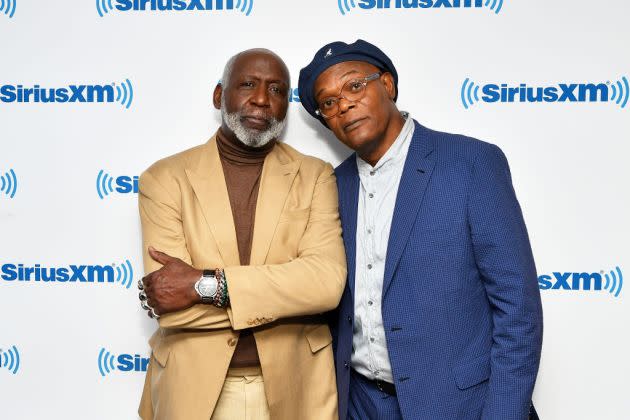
(335, 53)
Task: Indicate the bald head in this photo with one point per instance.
(253, 53)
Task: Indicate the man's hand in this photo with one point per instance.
(171, 288)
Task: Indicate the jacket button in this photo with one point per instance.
(349, 319)
(232, 342)
(346, 365)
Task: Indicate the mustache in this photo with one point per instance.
(257, 115)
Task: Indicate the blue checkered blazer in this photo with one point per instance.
(461, 305)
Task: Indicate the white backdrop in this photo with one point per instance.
(76, 341)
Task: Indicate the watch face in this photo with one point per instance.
(208, 287)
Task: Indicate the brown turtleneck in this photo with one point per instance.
(242, 168)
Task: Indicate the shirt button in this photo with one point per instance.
(369, 230)
(371, 195)
(372, 173)
(376, 372)
(370, 302)
(232, 342)
(369, 266)
(372, 339)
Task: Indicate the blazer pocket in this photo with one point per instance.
(472, 372)
(319, 337)
(160, 350)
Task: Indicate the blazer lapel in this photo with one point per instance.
(413, 184)
(208, 182)
(275, 183)
(348, 184)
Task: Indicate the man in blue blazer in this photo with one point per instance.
(441, 317)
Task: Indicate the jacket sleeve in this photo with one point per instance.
(162, 228)
(505, 260)
(312, 283)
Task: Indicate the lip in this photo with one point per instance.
(254, 121)
(353, 124)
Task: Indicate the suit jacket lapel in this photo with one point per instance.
(208, 182)
(348, 185)
(413, 184)
(275, 183)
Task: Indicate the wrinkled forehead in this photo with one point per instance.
(261, 64)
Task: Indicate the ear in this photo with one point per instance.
(390, 85)
(216, 96)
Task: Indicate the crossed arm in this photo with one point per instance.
(309, 284)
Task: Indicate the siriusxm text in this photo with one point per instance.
(176, 5)
(575, 92)
(71, 93)
(126, 184)
(71, 273)
(418, 4)
(128, 363)
(570, 281)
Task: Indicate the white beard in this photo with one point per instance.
(247, 136)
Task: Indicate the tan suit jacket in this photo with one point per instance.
(297, 271)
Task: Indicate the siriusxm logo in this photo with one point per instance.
(346, 5)
(294, 95)
(108, 362)
(10, 359)
(616, 92)
(121, 273)
(583, 281)
(106, 184)
(7, 7)
(103, 7)
(8, 183)
(113, 92)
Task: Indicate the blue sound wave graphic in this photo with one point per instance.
(8, 183)
(469, 93)
(345, 5)
(494, 5)
(103, 7)
(245, 7)
(8, 7)
(620, 92)
(10, 359)
(106, 362)
(124, 275)
(124, 93)
(104, 183)
(614, 282)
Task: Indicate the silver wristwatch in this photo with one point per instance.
(207, 286)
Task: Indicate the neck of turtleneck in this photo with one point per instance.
(238, 153)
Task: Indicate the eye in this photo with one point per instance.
(277, 90)
(247, 84)
(355, 85)
(327, 103)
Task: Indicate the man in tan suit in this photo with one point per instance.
(244, 253)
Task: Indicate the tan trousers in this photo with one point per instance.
(242, 396)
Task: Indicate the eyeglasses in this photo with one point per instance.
(353, 91)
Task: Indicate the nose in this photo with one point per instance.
(345, 105)
(260, 96)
